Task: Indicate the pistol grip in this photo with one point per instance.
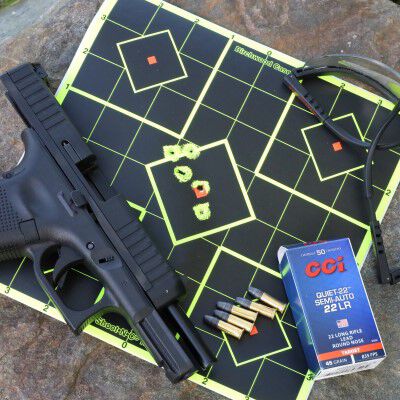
(11, 238)
(17, 225)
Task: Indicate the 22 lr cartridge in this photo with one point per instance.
(234, 320)
(257, 307)
(224, 326)
(267, 299)
(238, 311)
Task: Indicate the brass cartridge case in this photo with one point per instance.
(234, 320)
(238, 311)
(257, 307)
(263, 310)
(224, 326)
(267, 299)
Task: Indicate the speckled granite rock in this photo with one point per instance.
(39, 357)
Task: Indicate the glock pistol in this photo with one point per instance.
(57, 209)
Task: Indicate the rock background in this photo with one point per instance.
(39, 358)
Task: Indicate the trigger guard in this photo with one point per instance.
(68, 257)
(76, 320)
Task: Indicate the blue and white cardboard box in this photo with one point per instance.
(331, 309)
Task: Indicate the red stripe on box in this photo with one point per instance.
(351, 351)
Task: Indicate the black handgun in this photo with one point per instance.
(57, 209)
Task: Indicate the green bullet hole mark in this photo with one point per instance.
(183, 174)
(201, 185)
(202, 211)
(175, 152)
(201, 188)
(191, 151)
(172, 153)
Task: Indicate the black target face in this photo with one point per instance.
(152, 60)
(331, 156)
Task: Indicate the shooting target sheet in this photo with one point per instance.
(149, 75)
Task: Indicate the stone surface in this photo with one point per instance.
(39, 357)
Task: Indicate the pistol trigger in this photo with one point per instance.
(68, 258)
